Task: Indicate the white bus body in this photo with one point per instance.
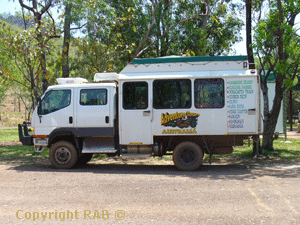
(185, 106)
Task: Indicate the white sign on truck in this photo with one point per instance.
(184, 106)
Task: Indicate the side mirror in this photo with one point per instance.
(39, 111)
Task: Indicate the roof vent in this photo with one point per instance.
(71, 80)
(106, 77)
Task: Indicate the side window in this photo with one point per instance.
(209, 93)
(54, 100)
(135, 95)
(90, 97)
(172, 94)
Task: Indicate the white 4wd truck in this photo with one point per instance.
(184, 106)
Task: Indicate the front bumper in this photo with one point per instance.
(24, 136)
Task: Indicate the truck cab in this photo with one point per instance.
(78, 114)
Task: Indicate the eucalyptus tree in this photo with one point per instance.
(43, 32)
(120, 30)
(277, 47)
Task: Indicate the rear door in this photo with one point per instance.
(94, 115)
(242, 105)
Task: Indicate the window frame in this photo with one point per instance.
(172, 80)
(135, 100)
(87, 89)
(207, 79)
(46, 95)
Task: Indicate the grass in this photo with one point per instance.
(288, 152)
(282, 152)
(9, 135)
(11, 119)
(21, 154)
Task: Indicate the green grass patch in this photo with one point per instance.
(9, 135)
(21, 154)
(282, 152)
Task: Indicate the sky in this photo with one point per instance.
(10, 6)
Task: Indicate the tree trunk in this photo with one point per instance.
(291, 110)
(256, 143)
(66, 44)
(271, 116)
(38, 20)
(249, 34)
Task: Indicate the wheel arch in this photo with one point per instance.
(63, 134)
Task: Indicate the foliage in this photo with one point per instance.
(24, 49)
(16, 20)
(212, 37)
(113, 33)
(276, 43)
(118, 31)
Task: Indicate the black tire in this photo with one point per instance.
(84, 159)
(63, 155)
(187, 156)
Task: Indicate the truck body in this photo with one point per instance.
(184, 106)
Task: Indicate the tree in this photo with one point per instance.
(276, 43)
(6, 63)
(41, 36)
(212, 34)
(74, 12)
(24, 49)
(249, 34)
(121, 30)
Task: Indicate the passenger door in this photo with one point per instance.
(135, 113)
(55, 110)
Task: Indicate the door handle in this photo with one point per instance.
(70, 120)
(146, 113)
(107, 119)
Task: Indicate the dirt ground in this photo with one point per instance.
(150, 192)
(112, 191)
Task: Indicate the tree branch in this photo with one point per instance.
(25, 6)
(139, 51)
(77, 28)
(46, 7)
(154, 9)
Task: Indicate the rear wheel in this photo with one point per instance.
(63, 155)
(187, 156)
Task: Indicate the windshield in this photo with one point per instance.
(54, 100)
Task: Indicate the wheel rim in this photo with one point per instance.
(63, 155)
(187, 156)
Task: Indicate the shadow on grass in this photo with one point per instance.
(222, 171)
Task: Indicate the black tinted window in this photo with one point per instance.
(135, 95)
(93, 97)
(209, 93)
(172, 94)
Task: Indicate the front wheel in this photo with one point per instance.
(187, 156)
(63, 155)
